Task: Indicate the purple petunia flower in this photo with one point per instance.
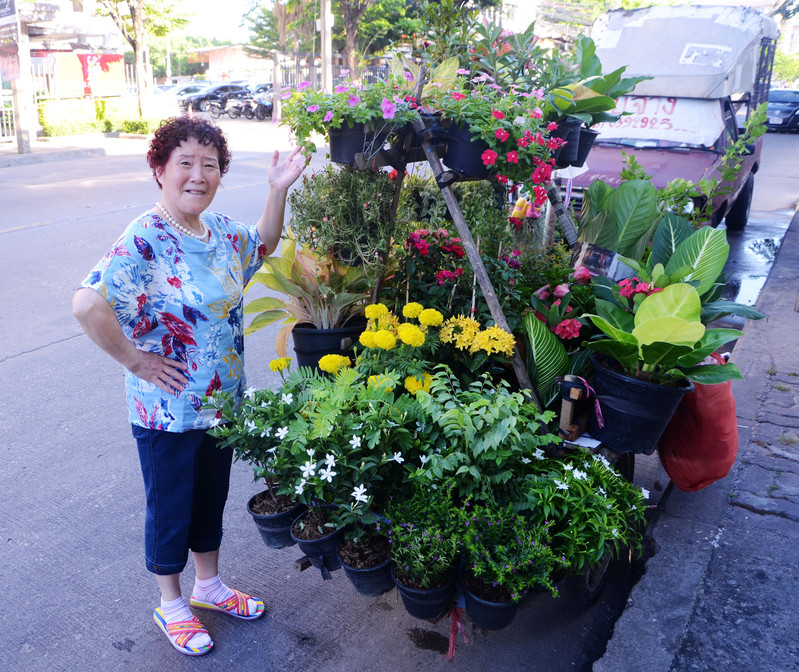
(389, 109)
(312, 108)
(329, 115)
(353, 101)
(304, 85)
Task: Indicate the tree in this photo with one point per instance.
(282, 26)
(352, 12)
(786, 9)
(136, 19)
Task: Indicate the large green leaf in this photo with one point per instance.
(678, 300)
(717, 309)
(594, 213)
(610, 329)
(710, 342)
(624, 353)
(661, 356)
(712, 374)
(548, 359)
(633, 213)
(674, 330)
(264, 303)
(705, 251)
(671, 231)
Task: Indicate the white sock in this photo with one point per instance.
(214, 591)
(178, 610)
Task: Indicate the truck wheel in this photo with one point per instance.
(739, 212)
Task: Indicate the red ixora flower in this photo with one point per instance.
(489, 157)
(516, 221)
(568, 329)
(497, 114)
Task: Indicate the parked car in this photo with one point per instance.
(181, 91)
(783, 110)
(257, 89)
(219, 93)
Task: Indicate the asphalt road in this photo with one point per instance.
(77, 595)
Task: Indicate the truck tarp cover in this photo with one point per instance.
(690, 51)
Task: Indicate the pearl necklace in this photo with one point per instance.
(171, 221)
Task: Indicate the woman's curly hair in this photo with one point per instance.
(176, 130)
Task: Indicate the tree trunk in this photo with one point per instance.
(352, 12)
(140, 53)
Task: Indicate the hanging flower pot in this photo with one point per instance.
(426, 603)
(321, 550)
(275, 528)
(569, 131)
(634, 412)
(586, 141)
(464, 152)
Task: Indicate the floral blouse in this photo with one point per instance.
(182, 298)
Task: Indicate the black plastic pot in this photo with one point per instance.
(568, 130)
(275, 529)
(372, 581)
(463, 153)
(311, 344)
(489, 615)
(635, 412)
(586, 141)
(346, 142)
(321, 552)
(425, 604)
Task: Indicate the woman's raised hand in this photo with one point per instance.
(283, 175)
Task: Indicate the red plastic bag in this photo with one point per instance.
(701, 441)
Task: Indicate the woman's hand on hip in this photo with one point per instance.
(161, 371)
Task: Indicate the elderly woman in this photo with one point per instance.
(166, 302)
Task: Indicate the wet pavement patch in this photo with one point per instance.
(428, 640)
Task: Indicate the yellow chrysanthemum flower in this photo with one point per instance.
(367, 339)
(411, 335)
(385, 339)
(430, 317)
(413, 384)
(412, 310)
(280, 363)
(375, 311)
(332, 363)
(380, 381)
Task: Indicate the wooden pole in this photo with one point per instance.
(474, 256)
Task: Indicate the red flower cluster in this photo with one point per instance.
(448, 276)
(627, 289)
(568, 329)
(512, 260)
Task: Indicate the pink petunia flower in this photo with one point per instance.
(389, 109)
(312, 108)
(304, 85)
(341, 88)
(353, 101)
(329, 115)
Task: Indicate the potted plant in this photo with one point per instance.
(422, 534)
(504, 554)
(253, 427)
(657, 347)
(593, 512)
(322, 304)
(356, 117)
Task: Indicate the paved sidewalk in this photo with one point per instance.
(720, 591)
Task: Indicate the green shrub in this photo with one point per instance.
(143, 126)
(68, 117)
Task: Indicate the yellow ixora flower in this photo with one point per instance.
(375, 311)
(412, 310)
(332, 363)
(430, 317)
(493, 339)
(459, 331)
(280, 363)
(411, 335)
(413, 384)
(385, 339)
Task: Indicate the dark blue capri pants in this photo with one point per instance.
(186, 480)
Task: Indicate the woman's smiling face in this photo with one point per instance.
(190, 179)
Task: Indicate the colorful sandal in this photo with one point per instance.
(181, 632)
(236, 605)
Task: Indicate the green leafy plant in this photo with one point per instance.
(422, 532)
(504, 553)
(590, 508)
(319, 290)
(661, 338)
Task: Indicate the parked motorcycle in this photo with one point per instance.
(232, 107)
(262, 108)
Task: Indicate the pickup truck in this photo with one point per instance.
(710, 67)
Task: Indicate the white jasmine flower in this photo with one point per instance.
(308, 469)
(281, 433)
(425, 459)
(310, 452)
(358, 426)
(249, 393)
(330, 460)
(266, 432)
(580, 475)
(568, 467)
(561, 485)
(298, 489)
(398, 458)
(602, 492)
(215, 422)
(526, 460)
(355, 441)
(326, 474)
(265, 403)
(359, 494)
(287, 398)
(539, 454)
(272, 450)
(645, 493)
(250, 426)
(614, 532)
